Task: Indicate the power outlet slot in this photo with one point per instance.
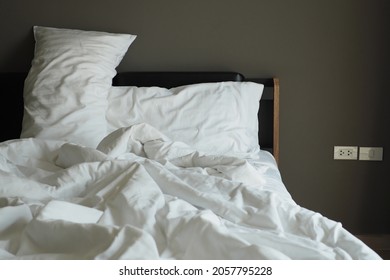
(345, 152)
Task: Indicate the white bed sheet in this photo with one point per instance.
(141, 196)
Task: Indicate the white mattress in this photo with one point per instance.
(141, 196)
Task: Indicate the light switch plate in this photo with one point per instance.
(371, 153)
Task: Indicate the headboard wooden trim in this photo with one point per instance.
(276, 119)
(12, 96)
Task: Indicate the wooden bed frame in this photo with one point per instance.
(11, 108)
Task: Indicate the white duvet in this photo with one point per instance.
(141, 196)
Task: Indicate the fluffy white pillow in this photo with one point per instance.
(216, 118)
(65, 92)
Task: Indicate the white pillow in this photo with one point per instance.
(216, 118)
(65, 92)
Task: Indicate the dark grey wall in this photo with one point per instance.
(331, 57)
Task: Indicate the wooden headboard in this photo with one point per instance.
(11, 108)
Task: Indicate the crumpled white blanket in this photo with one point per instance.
(141, 196)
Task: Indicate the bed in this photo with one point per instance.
(96, 164)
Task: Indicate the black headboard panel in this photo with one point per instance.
(173, 79)
(11, 108)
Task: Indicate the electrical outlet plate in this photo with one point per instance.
(345, 152)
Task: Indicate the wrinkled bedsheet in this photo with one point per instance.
(141, 196)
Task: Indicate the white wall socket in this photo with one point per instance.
(345, 152)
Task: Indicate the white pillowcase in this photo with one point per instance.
(65, 92)
(215, 118)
